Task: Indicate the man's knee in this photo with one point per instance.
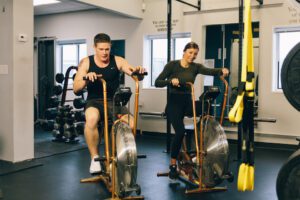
(92, 117)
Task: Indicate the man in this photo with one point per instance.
(109, 66)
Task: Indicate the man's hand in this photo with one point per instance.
(138, 69)
(91, 76)
(139, 72)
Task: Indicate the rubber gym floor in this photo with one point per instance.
(57, 176)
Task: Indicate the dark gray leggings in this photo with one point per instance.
(179, 105)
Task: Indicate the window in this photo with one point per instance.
(69, 53)
(157, 49)
(285, 39)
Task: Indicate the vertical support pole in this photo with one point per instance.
(241, 30)
(169, 24)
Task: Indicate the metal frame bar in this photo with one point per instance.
(198, 6)
(261, 2)
(169, 34)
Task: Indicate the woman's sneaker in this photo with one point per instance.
(95, 167)
(173, 174)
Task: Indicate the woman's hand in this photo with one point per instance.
(175, 82)
(225, 72)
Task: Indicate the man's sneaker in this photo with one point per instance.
(95, 167)
(173, 174)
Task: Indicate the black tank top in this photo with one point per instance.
(110, 74)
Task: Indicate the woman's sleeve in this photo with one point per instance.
(208, 71)
(164, 77)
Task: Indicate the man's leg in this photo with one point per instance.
(92, 116)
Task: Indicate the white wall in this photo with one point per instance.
(213, 13)
(16, 86)
(6, 80)
(84, 25)
(131, 8)
(272, 103)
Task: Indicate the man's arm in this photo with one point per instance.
(79, 83)
(124, 66)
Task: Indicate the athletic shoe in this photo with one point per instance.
(95, 167)
(173, 174)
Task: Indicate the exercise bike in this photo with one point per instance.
(119, 172)
(207, 165)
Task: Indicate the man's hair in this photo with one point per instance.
(101, 38)
(191, 45)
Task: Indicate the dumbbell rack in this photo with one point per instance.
(65, 87)
(66, 120)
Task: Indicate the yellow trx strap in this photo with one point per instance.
(246, 88)
(247, 75)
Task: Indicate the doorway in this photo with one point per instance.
(221, 49)
(46, 70)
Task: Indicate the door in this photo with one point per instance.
(220, 40)
(45, 74)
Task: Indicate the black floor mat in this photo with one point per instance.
(49, 148)
(44, 146)
(9, 167)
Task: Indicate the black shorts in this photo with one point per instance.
(98, 103)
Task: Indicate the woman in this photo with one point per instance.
(177, 73)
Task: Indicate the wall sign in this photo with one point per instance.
(161, 25)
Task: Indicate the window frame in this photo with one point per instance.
(61, 44)
(276, 52)
(59, 53)
(149, 51)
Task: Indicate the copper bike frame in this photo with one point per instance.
(199, 148)
(110, 182)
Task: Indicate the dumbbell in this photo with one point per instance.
(48, 125)
(57, 90)
(68, 114)
(59, 120)
(51, 113)
(56, 126)
(59, 77)
(79, 116)
(81, 92)
(79, 128)
(79, 103)
(69, 131)
(54, 101)
(56, 133)
(68, 120)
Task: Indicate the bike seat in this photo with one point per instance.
(210, 94)
(122, 96)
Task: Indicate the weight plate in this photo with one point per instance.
(290, 74)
